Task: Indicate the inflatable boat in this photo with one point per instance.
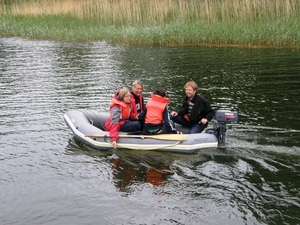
(88, 127)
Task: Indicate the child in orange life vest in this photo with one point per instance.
(121, 116)
(156, 114)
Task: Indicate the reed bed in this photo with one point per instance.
(193, 22)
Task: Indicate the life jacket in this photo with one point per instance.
(155, 108)
(134, 103)
(125, 110)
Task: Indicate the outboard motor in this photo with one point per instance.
(223, 117)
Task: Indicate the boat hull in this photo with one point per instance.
(86, 122)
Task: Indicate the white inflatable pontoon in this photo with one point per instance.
(88, 127)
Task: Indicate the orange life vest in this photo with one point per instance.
(155, 108)
(125, 110)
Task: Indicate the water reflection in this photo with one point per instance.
(131, 168)
(130, 172)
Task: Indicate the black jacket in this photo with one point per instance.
(200, 110)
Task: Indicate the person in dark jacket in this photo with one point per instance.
(156, 115)
(196, 111)
(137, 98)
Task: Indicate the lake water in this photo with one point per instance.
(47, 177)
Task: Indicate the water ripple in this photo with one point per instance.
(50, 178)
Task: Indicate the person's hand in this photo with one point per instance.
(174, 113)
(203, 121)
(114, 144)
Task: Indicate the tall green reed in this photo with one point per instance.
(240, 22)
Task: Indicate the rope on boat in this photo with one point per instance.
(90, 118)
(98, 118)
(87, 115)
(138, 148)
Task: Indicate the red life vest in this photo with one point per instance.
(132, 99)
(125, 110)
(155, 108)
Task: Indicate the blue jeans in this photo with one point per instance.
(194, 128)
(131, 126)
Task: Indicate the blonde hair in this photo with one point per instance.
(122, 92)
(191, 84)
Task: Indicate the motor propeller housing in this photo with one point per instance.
(224, 116)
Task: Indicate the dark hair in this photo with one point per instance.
(159, 92)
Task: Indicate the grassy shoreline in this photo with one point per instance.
(180, 22)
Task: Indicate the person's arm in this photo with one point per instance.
(143, 106)
(168, 123)
(114, 127)
(206, 113)
(133, 106)
(115, 113)
(182, 111)
(184, 108)
(133, 116)
(142, 115)
(209, 112)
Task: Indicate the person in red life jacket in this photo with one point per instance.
(121, 116)
(156, 114)
(137, 98)
(196, 110)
